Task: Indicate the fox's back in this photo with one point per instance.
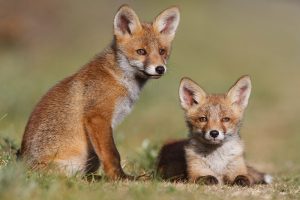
(171, 162)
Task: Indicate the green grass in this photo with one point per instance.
(217, 42)
(18, 183)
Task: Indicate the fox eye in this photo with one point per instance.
(141, 52)
(203, 119)
(162, 51)
(225, 119)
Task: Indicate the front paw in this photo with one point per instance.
(119, 176)
(242, 180)
(207, 180)
(144, 177)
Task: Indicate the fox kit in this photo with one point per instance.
(213, 153)
(72, 126)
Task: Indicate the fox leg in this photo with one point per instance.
(237, 173)
(101, 137)
(203, 176)
(198, 170)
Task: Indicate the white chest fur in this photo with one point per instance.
(215, 162)
(124, 104)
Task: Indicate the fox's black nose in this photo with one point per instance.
(160, 69)
(214, 133)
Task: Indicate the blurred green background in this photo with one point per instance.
(41, 42)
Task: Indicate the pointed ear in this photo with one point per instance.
(167, 21)
(126, 22)
(190, 93)
(239, 93)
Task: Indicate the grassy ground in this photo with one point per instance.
(216, 43)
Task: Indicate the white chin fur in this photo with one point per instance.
(268, 178)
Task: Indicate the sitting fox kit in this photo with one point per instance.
(72, 126)
(213, 153)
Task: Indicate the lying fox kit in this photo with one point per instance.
(72, 126)
(213, 153)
